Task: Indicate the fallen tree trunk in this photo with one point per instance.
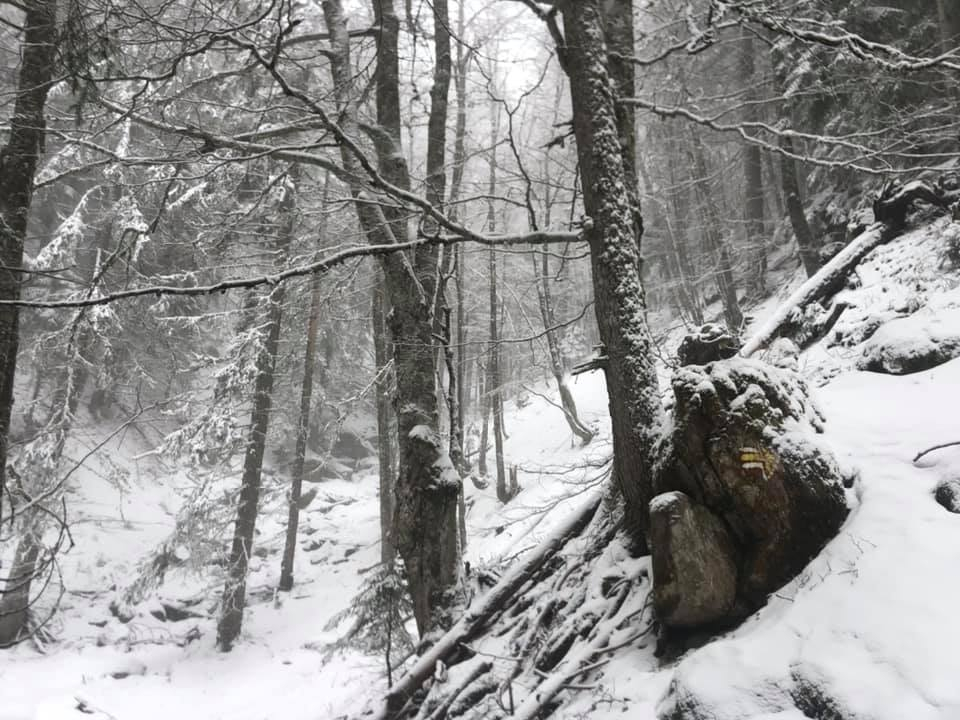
(473, 622)
(823, 284)
(890, 209)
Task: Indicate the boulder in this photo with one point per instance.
(694, 568)
(912, 344)
(352, 445)
(948, 495)
(742, 446)
(709, 343)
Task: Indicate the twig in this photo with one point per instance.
(935, 447)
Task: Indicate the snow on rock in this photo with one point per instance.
(923, 340)
(869, 629)
(760, 497)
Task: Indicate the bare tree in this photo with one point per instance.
(612, 231)
(18, 167)
(306, 401)
(271, 305)
(425, 515)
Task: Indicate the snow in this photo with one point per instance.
(871, 623)
(284, 659)
(873, 618)
(926, 337)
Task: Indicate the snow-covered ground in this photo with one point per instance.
(872, 622)
(283, 666)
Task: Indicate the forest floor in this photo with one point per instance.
(872, 621)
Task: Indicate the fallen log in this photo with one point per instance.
(825, 283)
(890, 210)
(474, 620)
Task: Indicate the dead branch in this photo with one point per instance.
(476, 618)
(935, 447)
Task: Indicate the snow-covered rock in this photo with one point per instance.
(741, 447)
(923, 340)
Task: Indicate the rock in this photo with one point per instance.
(694, 568)
(168, 612)
(742, 445)
(351, 445)
(783, 353)
(314, 545)
(709, 343)
(913, 344)
(948, 494)
(306, 498)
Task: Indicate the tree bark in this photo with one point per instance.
(820, 286)
(15, 608)
(18, 166)
(386, 423)
(678, 258)
(719, 250)
(427, 485)
(494, 379)
(755, 219)
(567, 403)
(235, 588)
(948, 12)
(798, 219)
(456, 361)
(303, 418)
(488, 606)
(611, 231)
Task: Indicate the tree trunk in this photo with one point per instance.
(818, 287)
(798, 219)
(456, 361)
(30, 559)
(774, 186)
(427, 485)
(303, 419)
(386, 424)
(948, 12)
(235, 588)
(755, 220)
(677, 258)
(485, 404)
(617, 17)
(15, 608)
(716, 244)
(791, 179)
(635, 407)
(542, 281)
(18, 165)
(493, 376)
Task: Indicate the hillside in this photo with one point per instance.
(869, 629)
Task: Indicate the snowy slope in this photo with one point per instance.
(148, 668)
(872, 622)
